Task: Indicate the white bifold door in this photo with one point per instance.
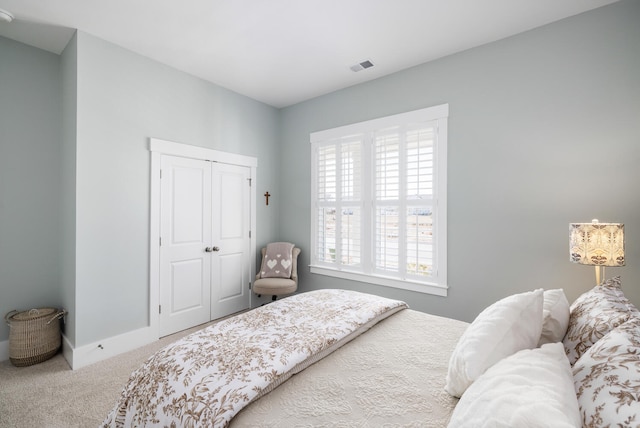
(204, 241)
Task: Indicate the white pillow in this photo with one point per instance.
(555, 316)
(507, 326)
(531, 388)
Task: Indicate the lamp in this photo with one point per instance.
(597, 244)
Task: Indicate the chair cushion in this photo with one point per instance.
(274, 286)
(277, 261)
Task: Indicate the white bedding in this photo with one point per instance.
(205, 378)
(392, 376)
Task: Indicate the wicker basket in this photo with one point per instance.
(34, 336)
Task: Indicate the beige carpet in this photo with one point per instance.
(51, 395)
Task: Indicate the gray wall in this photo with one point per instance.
(30, 179)
(122, 100)
(74, 174)
(544, 130)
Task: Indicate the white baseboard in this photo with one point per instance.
(98, 351)
(4, 350)
(110, 347)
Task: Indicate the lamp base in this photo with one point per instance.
(599, 275)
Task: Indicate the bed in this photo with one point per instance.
(337, 358)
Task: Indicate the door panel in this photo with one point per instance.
(185, 231)
(187, 192)
(186, 285)
(232, 187)
(231, 276)
(230, 230)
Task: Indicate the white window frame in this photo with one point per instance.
(435, 284)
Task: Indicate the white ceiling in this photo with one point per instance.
(282, 52)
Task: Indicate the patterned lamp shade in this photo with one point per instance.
(597, 244)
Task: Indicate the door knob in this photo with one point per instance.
(211, 249)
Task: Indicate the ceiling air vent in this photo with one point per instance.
(362, 65)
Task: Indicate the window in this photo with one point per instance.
(378, 194)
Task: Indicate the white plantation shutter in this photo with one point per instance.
(351, 183)
(386, 239)
(339, 188)
(387, 172)
(420, 190)
(326, 195)
(404, 200)
(419, 152)
(387, 196)
(350, 169)
(327, 173)
(379, 198)
(350, 234)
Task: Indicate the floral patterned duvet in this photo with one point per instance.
(204, 379)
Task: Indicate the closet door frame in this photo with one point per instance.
(159, 147)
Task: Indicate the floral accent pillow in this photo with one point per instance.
(594, 314)
(607, 379)
(277, 260)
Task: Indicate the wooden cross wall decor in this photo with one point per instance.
(266, 197)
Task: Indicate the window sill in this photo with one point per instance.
(426, 288)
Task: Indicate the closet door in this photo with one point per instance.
(185, 233)
(231, 209)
